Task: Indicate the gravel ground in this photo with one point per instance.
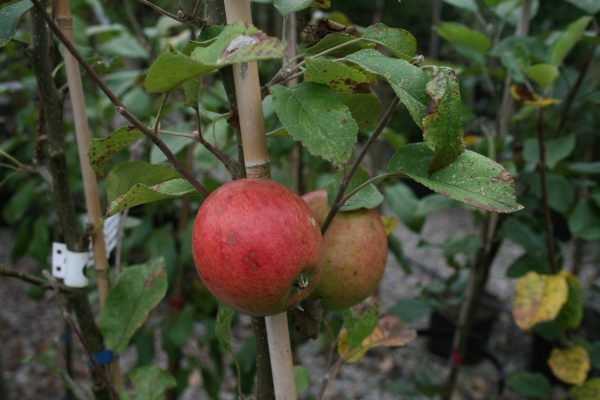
(30, 329)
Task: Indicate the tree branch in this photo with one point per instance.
(339, 198)
(11, 273)
(120, 108)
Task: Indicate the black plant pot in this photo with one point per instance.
(442, 325)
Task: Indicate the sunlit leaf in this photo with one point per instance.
(538, 298)
(570, 365)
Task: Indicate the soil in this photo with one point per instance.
(31, 330)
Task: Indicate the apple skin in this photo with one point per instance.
(354, 254)
(257, 246)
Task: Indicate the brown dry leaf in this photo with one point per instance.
(523, 94)
(389, 224)
(570, 365)
(538, 298)
(389, 333)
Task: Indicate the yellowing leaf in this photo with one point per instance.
(389, 333)
(590, 390)
(470, 140)
(538, 298)
(521, 93)
(389, 223)
(570, 365)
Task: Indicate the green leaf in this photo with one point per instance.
(137, 291)
(594, 351)
(176, 333)
(590, 390)
(364, 107)
(286, 7)
(151, 383)
(468, 5)
(589, 6)
(410, 310)
(572, 312)
(398, 41)
(530, 385)
(360, 324)
(442, 127)
(171, 69)
(471, 178)
(461, 34)
(402, 201)
(584, 220)
(301, 378)
(237, 44)
(408, 81)
(344, 44)
(525, 264)
(556, 150)
(585, 168)
(543, 74)
(315, 115)
(223, 326)
(521, 233)
(367, 197)
(10, 15)
(102, 150)
(568, 39)
(338, 76)
(124, 45)
(142, 194)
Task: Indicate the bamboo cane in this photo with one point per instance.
(83, 135)
(247, 87)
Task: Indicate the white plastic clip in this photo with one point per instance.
(68, 265)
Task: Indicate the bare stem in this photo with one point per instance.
(339, 198)
(11, 273)
(229, 163)
(544, 188)
(177, 165)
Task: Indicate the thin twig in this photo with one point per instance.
(337, 203)
(67, 317)
(331, 373)
(227, 161)
(159, 114)
(544, 188)
(11, 273)
(120, 108)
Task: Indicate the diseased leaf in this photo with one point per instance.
(442, 126)
(102, 150)
(338, 76)
(538, 298)
(360, 322)
(568, 39)
(389, 332)
(389, 224)
(238, 43)
(461, 34)
(150, 382)
(590, 390)
(570, 365)
(472, 178)
(137, 291)
(400, 42)
(522, 93)
(314, 114)
(10, 15)
(367, 197)
(408, 81)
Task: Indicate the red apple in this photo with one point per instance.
(256, 246)
(354, 254)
